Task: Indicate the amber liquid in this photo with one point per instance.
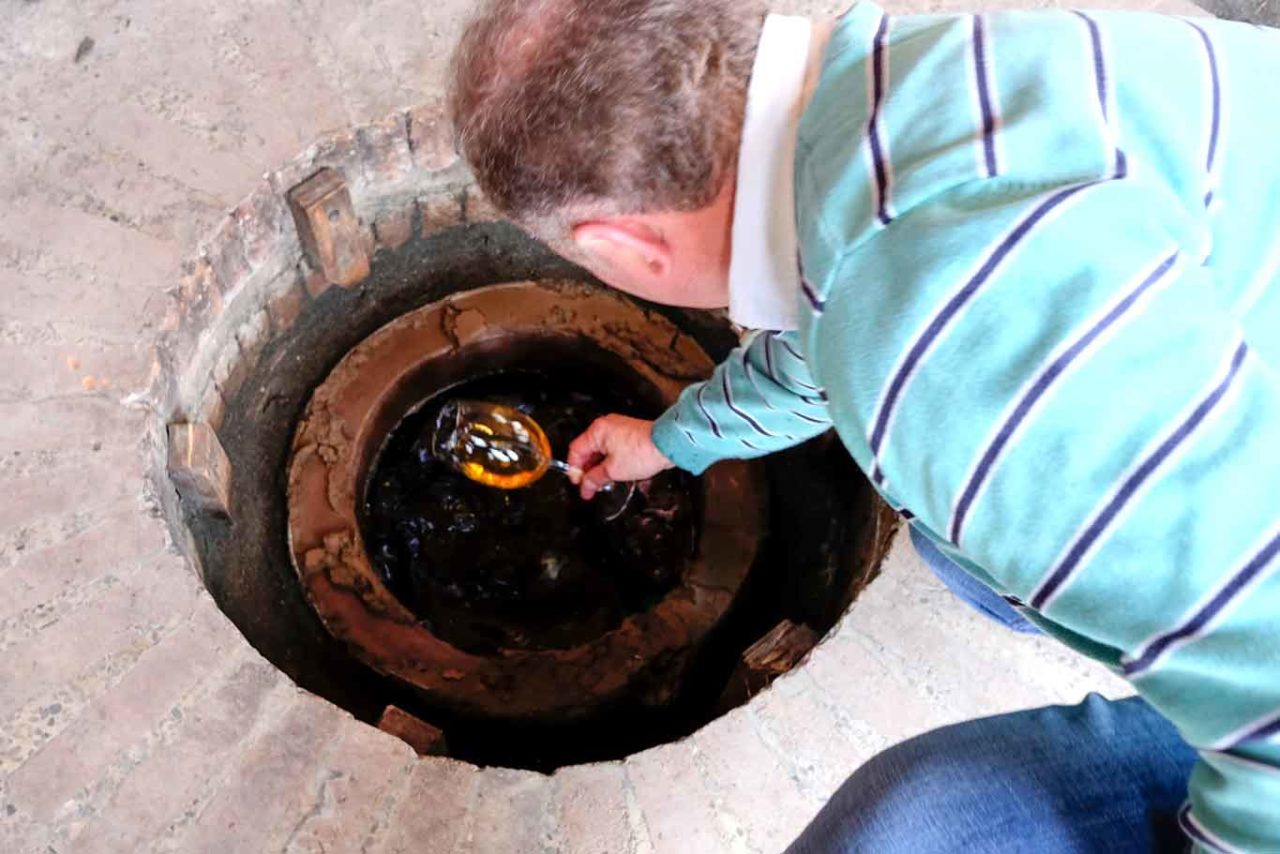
(491, 444)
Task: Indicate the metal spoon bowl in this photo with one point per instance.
(502, 447)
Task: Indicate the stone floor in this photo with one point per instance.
(132, 715)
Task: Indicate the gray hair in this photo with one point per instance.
(568, 109)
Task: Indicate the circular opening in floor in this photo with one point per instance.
(516, 630)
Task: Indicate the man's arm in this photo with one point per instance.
(761, 399)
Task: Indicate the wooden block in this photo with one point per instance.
(199, 468)
(781, 649)
(328, 228)
(413, 731)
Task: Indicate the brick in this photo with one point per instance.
(199, 467)
(66, 421)
(393, 229)
(261, 220)
(102, 478)
(438, 212)
(869, 689)
(327, 225)
(431, 138)
(674, 801)
(477, 207)
(49, 711)
(751, 783)
(125, 715)
(339, 151)
(170, 781)
(122, 620)
(508, 811)
(225, 252)
(80, 266)
(35, 603)
(287, 304)
(424, 738)
(119, 538)
(252, 337)
(173, 311)
(201, 304)
(1001, 672)
(593, 809)
(822, 748)
(433, 815)
(361, 778)
(20, 833)
(162, 377)
(231, 368)
(384, 149)
(199, 286)
(39, 370)
(273, 786)
(314, 281)
(212, 408)
(294, 171)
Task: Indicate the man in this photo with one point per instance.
(1026, 265)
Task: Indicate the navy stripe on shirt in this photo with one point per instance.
(1101, 80)
(1266, 727)
(750, 374)
(937, 325)
(982, 75)
(1192, 827)
(816, 303)
(786, 345)
(1215, 122)
(1041, 384)
(1062, 573)
(685, 430)
(768, 359)
(879, 160)
(811, 420)
(728, 399)
(1224, 597)
(769, 338)
(715, 428)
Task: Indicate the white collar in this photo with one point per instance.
(764, 280)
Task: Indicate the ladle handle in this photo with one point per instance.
(573, 472)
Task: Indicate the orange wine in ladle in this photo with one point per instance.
(496, 445)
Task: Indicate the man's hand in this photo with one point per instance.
(615, 447)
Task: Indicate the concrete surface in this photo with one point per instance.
(132, 716)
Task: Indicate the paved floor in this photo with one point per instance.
(132, 715)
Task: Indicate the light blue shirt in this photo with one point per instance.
(1040, 304)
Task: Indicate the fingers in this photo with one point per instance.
(613, 448)
(587, 449)
(594, 480)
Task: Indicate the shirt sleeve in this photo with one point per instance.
(760, 399)
(1076, 407)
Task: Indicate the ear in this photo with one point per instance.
(625, 246)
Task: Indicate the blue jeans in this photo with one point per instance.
(970, 590)
(1101, 776)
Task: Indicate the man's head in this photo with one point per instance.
(610, 128)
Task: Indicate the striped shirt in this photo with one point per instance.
(1040, 303)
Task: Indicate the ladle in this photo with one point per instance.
(502, 447)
